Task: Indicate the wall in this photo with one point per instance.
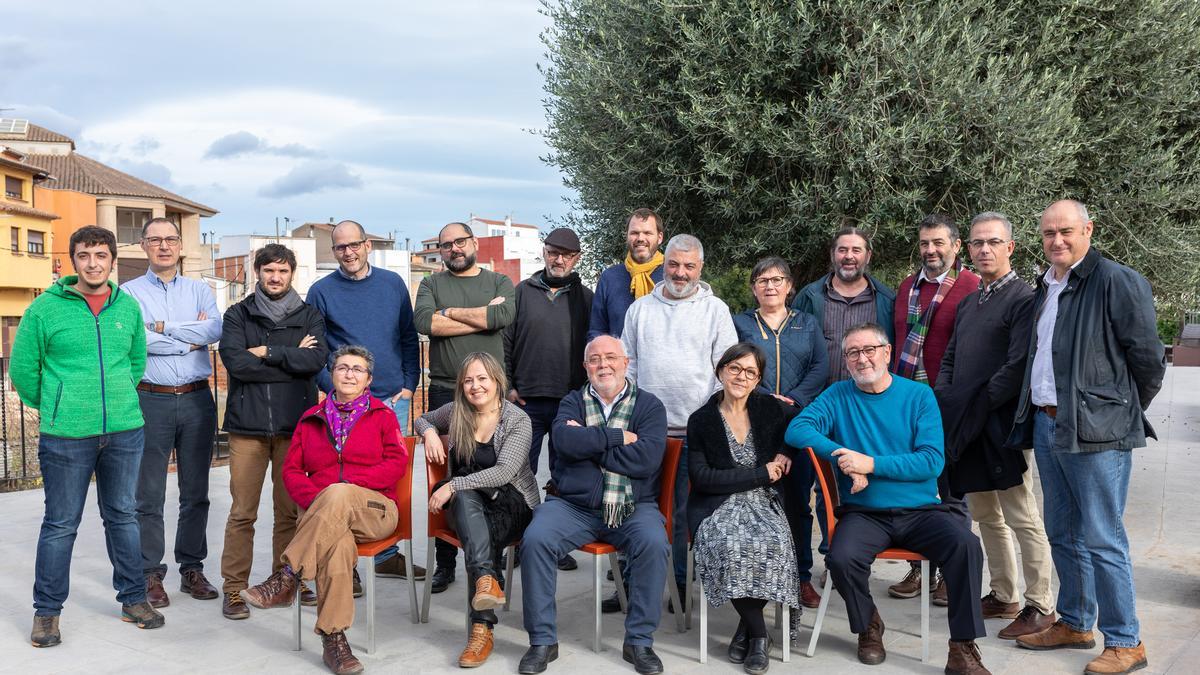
(75, 209)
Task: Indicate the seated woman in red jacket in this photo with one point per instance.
(345, 458)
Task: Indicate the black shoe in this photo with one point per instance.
(442, 578)
(758, 658)
(611, 604)
(356, 588)
(609, 575)
(567, 563)
(502, 561)
(536, 658)
(643, 658)
(738, 644)
(683, 599)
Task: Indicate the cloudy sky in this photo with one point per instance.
(402, 115)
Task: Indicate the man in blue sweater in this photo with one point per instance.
(621, 284)
(885, 435)
(370, 307)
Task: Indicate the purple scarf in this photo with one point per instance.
(342, 416)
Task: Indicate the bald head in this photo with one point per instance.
(1066, 231)
(351, 230)
(351, 247)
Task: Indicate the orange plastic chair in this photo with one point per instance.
(439, 528)
(829, 488)
(599, 549)
(368, 549)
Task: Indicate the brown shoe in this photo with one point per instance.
(1058, 636)
(1028, 622)
(338, 657)
(940, 596)
(196, 585)
(394, 567)
(995, 608)
(479, 647)
(156, 595)
(1116, 660)
(488, 594)
(964, 659)
(870, 643)
(909, 586)
(308, 597)
(45, 631)
(809, 597)
(233, 607)
(279, 590)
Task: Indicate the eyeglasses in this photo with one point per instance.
(978, 244)
(868, 351)
(155, 242)
(461, 242)
(597, 360)
(344, 369)
(564, 255)
(736, 371)
(764, 282)
(352, 245)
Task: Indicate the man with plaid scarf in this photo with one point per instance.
(610, 438)
(926, 304)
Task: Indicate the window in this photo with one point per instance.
(16, 238)
(35, 242)
(129, 225)
(14, 188)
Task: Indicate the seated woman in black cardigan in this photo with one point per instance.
(743, 545)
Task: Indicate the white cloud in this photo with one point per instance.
(312, 176)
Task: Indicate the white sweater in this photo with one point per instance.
(673, 348)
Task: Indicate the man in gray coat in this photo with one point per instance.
(1095, 363)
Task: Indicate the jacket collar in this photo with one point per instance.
(1082, 269)
(318, 410)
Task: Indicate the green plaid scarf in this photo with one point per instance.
(911, 359)
(618, 489)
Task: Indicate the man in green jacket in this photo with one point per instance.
(79, 352)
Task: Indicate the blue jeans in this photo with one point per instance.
(401, 408)
(67, 468)
(1084, 496)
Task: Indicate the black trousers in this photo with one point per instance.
(435, 397)
(939, 534)
(479, 528)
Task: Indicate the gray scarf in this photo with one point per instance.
(276, 309)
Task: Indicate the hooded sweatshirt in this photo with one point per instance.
(673, 347)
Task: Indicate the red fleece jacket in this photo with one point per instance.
(938, 337)
(374, 457)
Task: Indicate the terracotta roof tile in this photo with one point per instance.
(84, 174)
(39, 134)
(19, 210)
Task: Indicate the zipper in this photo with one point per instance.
(100, 358)
(270, 420)
(776, 333)
(57, 399)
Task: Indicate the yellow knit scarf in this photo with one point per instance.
(640, 282)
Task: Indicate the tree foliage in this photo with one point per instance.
(763, 125)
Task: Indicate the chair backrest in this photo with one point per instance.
(666, 483)
(434, 474)
(829, 488)
(404, 492)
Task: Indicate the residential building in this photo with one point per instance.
(26, 268)
(505, 247)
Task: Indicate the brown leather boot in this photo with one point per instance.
(995, 608)
(156, 595)
(940, 595)
(1116, 660)
(1058, 636)
(488, 594)
(870, 643)
(1028, 622)
(233, 607)
(338, 657)
(479, 647)
(279, 590)
(308, 597)
(195, 584)
(909, 586)
(809, 597)
(964, 659)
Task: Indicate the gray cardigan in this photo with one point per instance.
(511, 439)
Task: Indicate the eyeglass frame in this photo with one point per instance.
(771, 282)
(736, 371)
(600, 360)
(359, 371)
(171, 241)
(350, 245)
(977, 244)
(868, 350)
(460, 243)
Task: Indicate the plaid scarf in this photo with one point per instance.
(986, 291)
(911, 362)
(618, 489)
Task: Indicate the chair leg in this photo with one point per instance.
(615, 566)
(369, 589)
(924, 611)
(703, 622)
(778, 615)
(816, 629)
(596, 603)
(414, 611)
(689, 583)
(673, 593)
(508, 577)
(428, 582)
(296, 622)
(787, 634)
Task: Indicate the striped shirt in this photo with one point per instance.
(842, 313)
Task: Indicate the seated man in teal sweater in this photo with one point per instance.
(884, 434)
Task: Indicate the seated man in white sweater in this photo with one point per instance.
(674, 337)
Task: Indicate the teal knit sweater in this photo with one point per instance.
(80, 370)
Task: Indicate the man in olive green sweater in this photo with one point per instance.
(79, 352)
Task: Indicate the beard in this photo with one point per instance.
(849, 276)
(689, 287)
(865, 379)
(936, 267)
(460, 264)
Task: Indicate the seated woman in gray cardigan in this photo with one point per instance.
(491, 493)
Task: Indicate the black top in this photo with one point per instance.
(484, 458)
(538, 349)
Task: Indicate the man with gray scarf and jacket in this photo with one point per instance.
(1095, 363)
(674, 337)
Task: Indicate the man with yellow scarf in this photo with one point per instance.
(621, 284)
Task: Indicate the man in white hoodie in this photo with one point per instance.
(674, 337)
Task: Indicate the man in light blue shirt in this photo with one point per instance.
(182, 319)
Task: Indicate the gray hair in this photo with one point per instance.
(684, 242)
(875, 328)
(588, 348)
(988, 216)
(1080, 209)
(353, 350)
